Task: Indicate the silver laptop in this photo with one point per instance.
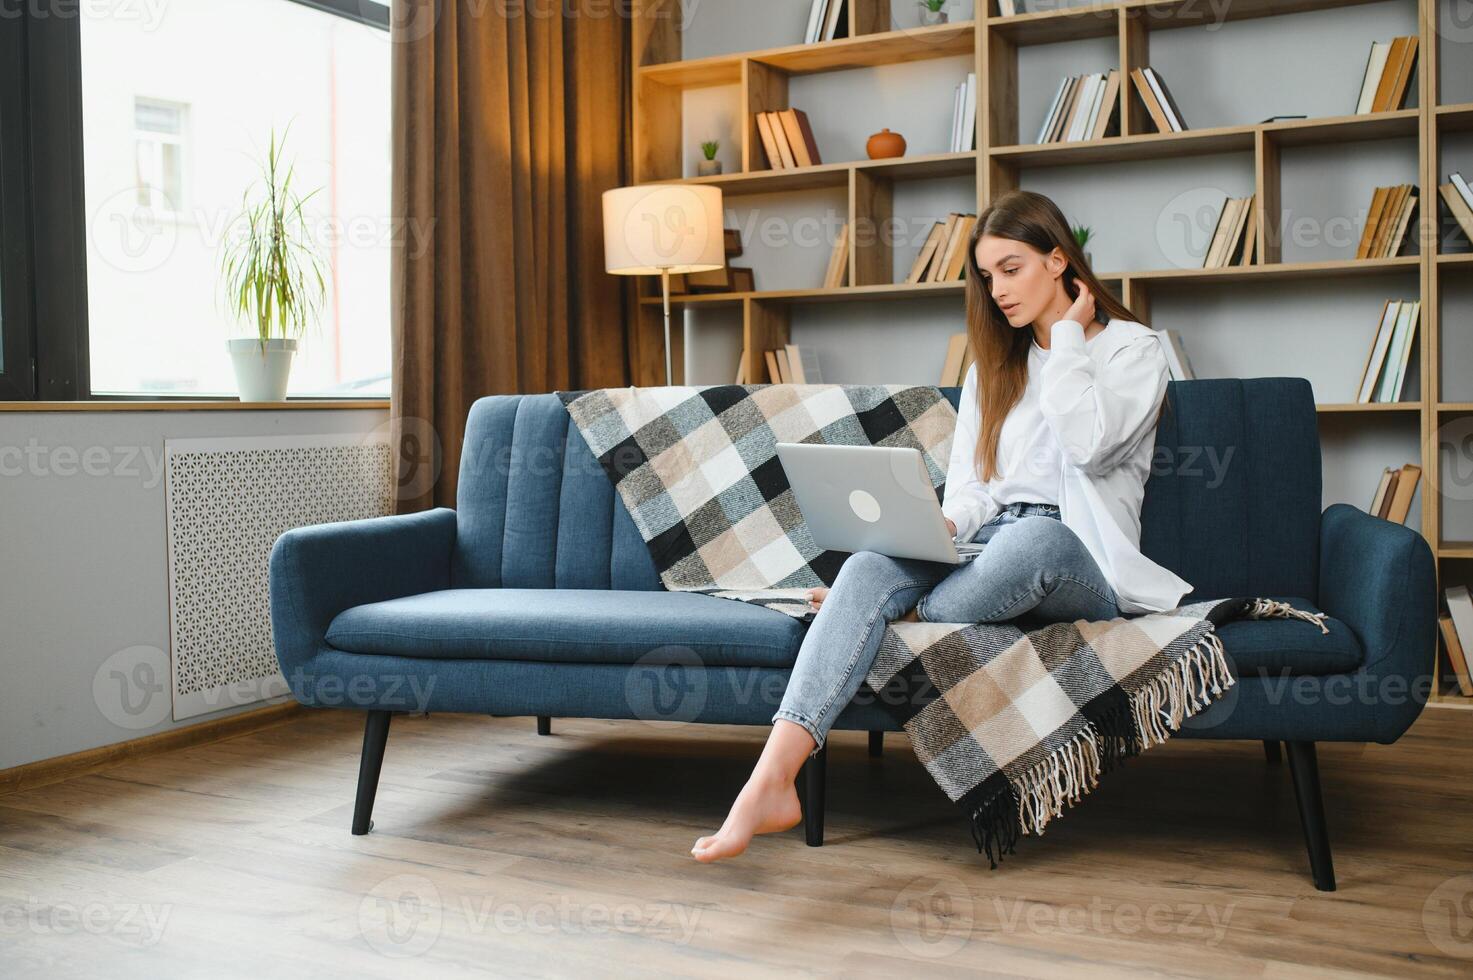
(870, 498)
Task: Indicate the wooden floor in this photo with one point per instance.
(497, 852)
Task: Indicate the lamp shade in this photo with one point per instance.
(653, 228)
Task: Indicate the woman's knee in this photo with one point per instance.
(1045, 540)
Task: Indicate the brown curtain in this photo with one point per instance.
(511, 117)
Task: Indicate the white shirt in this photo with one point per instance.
(1098, 401)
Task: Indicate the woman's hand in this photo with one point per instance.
(951, 526)
(1082, 310)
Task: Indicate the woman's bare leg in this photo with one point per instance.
(769, 801)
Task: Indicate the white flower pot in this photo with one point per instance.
(262, 368)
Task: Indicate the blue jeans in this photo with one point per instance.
(1033, 570)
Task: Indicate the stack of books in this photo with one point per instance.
(1165, 113)
(1393, 498)
(964, 115)
(789, 364)
(944, 254)
(787, 139)
(1083, 108)
(1459, 200)
(1388, 75)
(826, 21)
(1386, 363)
(1457, 632)
(1235, 227)
(838, 270)
(1386, 222)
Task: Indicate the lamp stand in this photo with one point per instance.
(665, 289)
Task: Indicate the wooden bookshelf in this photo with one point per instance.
(1001, 161)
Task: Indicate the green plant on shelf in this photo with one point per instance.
(1082, 234)
(934, 6)
(709, 148)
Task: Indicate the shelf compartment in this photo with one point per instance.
(1455, 259)
(1454, 118)
(837, 174)
(843, 294)
(1218, 139)
(1455, 549)
(864, 51)
(1099, 20)
(1275, 272)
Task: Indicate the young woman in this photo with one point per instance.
(1048, 467)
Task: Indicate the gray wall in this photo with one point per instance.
(1237, 72)
(83, 569)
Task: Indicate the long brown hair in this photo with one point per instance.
(1001, 350)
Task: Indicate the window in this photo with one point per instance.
(158, 144)
(128, 135)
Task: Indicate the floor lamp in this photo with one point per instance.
(664, 230)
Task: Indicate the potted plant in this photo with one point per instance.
(710, 166)
(271, 279)
(1082, 235)
(932, 12)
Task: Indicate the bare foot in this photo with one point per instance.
(817, 596)
(762, 807)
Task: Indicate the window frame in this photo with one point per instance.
(43, 233)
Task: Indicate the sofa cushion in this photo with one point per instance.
(571, 626)
(1290, 645)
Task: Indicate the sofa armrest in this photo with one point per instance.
(1380, 579)
(317, 572)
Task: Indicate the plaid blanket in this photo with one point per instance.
(1011, 725)
(697, 469)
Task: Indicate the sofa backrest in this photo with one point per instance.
(1232, 504)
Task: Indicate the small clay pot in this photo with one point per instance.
(884, 145)
(708, 168)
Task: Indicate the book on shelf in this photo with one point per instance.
(1457, 630)
(803, 365)
(1158, 100)
(964, 115)
(958, 359)
(944, 255)
(1178, 365)
(1459, 200)
(1233, 221)
(788, 364)
(826, 21)
(928, 250)
(787, 139)
(1083, 108)
(741, 371)
(1387, 219)
(1007, 8)
(1393, 498)
(1385, 369)
(1388, 75)
(838, 269)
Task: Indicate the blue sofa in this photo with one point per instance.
(537, 597)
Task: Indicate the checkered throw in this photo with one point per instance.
(1011, 725)
(697, 469)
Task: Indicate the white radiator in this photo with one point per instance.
(227, 501)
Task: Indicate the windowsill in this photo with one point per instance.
(196, 405)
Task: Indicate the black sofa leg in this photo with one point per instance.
(375, 737)
(544, 725)
(876, 744)
(1271, 752)
(1305, 768)
(812, 777)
